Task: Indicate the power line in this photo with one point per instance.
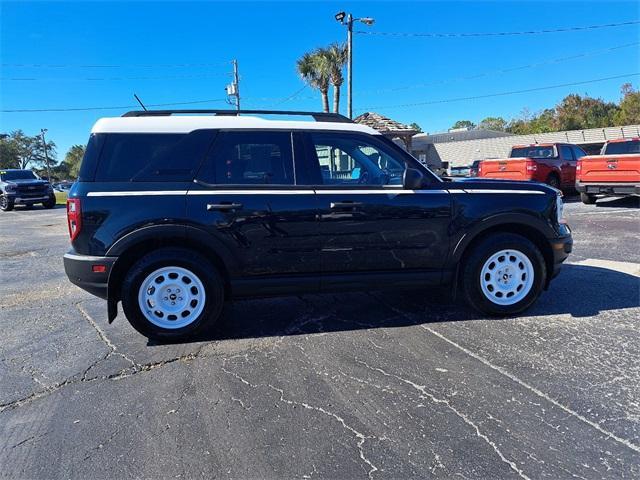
(497, 34)
(501, 71)
(110, 79)
(132, 65)
(500, 94)
(86, 109)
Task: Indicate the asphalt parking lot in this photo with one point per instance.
(358, 385)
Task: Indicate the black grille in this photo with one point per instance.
(35, 190)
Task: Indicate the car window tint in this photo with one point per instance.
(353, 160)
(566, 152)
(152, 157)
(250, 158)
(578, 152)
(622, 148)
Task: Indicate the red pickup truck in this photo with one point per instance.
(550, 163)
(616, 171)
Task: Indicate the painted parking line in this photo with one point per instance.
(629, 268)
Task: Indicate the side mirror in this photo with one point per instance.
(412, 179)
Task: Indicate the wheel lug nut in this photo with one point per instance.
(173, 303)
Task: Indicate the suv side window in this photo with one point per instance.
(343, 159)
(152, 157)
(250, 158)
(566, 152)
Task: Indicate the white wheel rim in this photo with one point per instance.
(507, 277)
(171, 297)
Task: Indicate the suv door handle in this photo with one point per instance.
(346, 204)
(223, 206)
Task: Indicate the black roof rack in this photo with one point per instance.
(317, 116)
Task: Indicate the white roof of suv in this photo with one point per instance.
(189, 123)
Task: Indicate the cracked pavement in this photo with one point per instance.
(354, 385)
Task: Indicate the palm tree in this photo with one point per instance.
(336, 57)
(314, 69)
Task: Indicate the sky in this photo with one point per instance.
(65, 55)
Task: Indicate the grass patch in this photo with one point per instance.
(61, 198)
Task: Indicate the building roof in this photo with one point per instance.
(465, 152)
(456, 136)
(189, 123)
(384, 124)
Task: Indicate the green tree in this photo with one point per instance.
(576, 112)
(543, 122)
(629, 110)
(498, 124)
(416, 127)
(335, 56)
(72, 160)
(23, 151)
(314, 69)
(464, 124)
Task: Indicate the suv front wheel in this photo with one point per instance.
(503, 275)
(172, 294)
(6, 204)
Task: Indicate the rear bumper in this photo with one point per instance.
(79, 270)
(608, 188)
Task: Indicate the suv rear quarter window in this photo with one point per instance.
(250, 158)
(152, 157)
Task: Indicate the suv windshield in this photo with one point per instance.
(18, 175)
(533, 152)
(621, 148)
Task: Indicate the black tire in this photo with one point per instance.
(6, 205)
(553, 181)
(472, 270)
(184, 258)
(51, 202)
(587, 198)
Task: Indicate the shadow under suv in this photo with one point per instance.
(173, 214)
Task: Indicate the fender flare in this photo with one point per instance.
(186, 234)
(510, 219)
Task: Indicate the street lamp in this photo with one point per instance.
(347, 19)
(46, 154)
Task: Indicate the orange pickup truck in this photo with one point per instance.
(550, 163)
(616, 171)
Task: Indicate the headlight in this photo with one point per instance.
(560, 209)
(10, 188)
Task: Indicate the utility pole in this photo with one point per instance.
(233, 89)
(349, 64)
(340, 17)
(46, 154)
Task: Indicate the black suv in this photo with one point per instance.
(176, 211)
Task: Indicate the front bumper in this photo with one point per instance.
(27, 199)
(561, 248)
(80, 271)
(609, 188)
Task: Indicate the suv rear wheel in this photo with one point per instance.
(172, 294)
(503, 275)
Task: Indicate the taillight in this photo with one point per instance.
(531, 166)
(579, 166)
(74, 217)
(479, 168)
